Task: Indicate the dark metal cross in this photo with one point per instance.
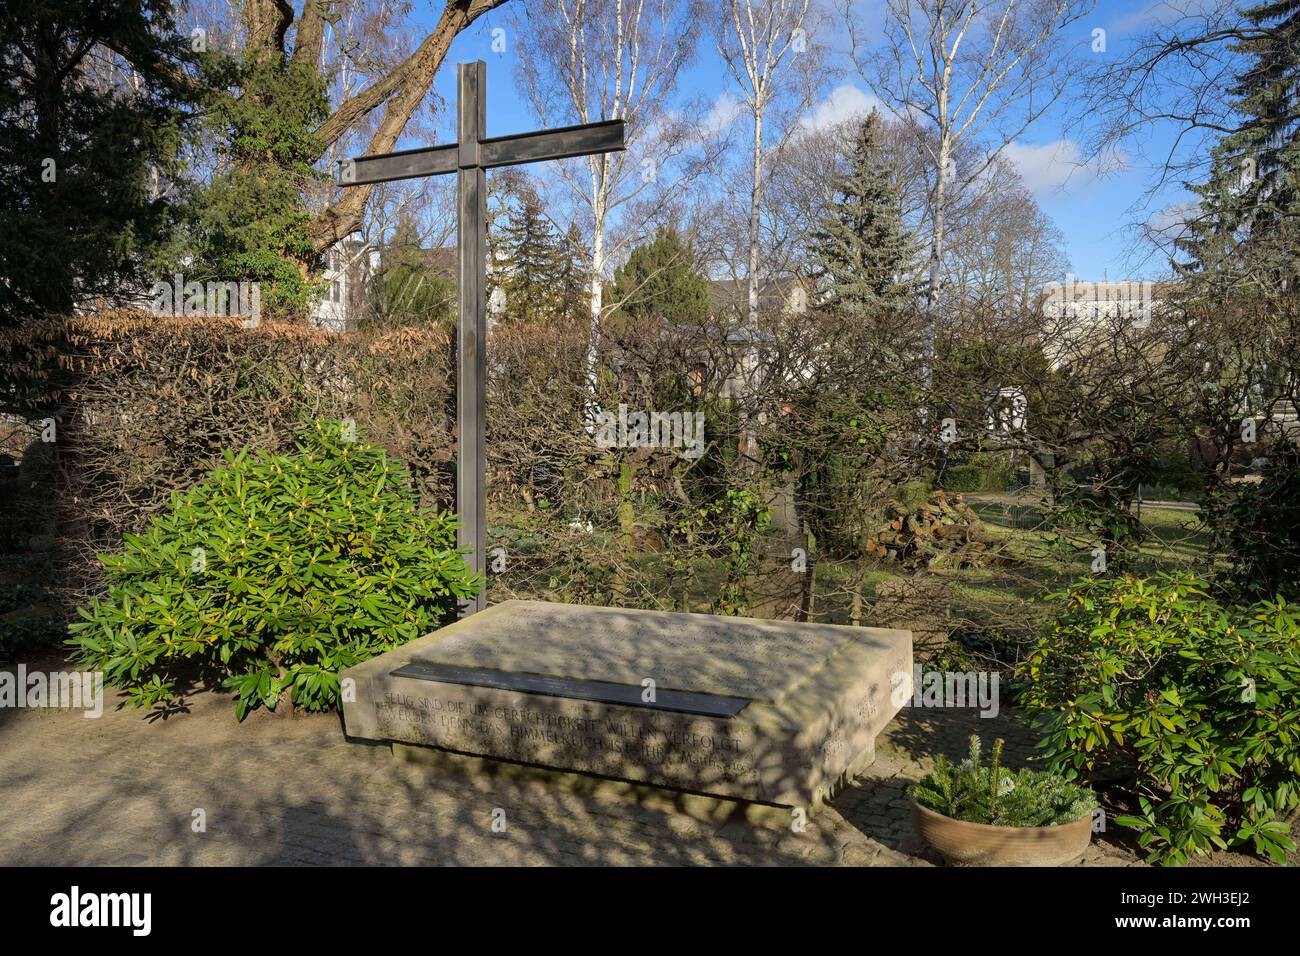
(469, 158)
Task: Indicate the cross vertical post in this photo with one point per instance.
(471, 323)
(469, 158)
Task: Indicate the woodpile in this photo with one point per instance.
(943, 532)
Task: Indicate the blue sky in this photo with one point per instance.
(1095, 211)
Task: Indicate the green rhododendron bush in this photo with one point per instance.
(1193, 706)
(273, 575)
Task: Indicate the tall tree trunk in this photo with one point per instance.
(755, 204)
(599, 207)
(748, 440)
(935, 277)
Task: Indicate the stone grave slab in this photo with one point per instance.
(766, 711)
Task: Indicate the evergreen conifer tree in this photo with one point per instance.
(84, 154)
(575, 284)
(533, 266)
(1250, 204)
(861, 253)
(250, 221)
(660, 278)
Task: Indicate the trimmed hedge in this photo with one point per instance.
(146, 407)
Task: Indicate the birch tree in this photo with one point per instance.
(760, 42)
(977, 72)
(590, 60)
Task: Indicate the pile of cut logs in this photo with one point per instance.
(943, 532)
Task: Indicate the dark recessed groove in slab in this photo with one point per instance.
(677, 701)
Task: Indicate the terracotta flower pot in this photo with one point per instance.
(982, 844)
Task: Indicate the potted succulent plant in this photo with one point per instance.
(979, 815)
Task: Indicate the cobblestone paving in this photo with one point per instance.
(123, 789)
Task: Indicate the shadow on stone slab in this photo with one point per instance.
(746, 709)
(698, 806)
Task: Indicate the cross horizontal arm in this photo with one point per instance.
(563, 143)
(408, 164)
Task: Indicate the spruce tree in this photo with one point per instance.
(861, 252)
(1250, 204)
(1239, 264)
(575, 275)
(1268, 94)
(534, 261)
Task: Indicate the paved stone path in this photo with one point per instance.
(124, 789)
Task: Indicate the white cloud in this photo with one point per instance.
(1056, 166)
(1169, 224)
(843, 103)
(727, 108)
